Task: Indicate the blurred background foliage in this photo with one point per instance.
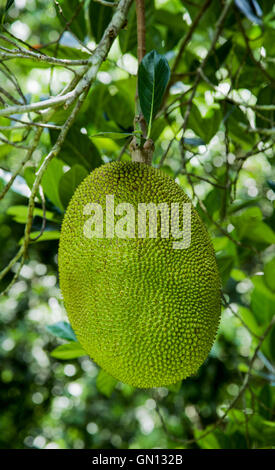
(225, 163)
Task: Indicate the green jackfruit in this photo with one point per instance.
(145, 312)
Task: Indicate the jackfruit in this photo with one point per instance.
(143, 310)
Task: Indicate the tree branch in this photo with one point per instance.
(79, 94)
(141, 30)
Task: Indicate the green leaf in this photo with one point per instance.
(20, 213)
(70, 350)
(3, 10)
(79, 149)
(120, 109)
(153, 77)
(216, 60)
(265, 402)
(157, 127)
(249, 226)
(236, 122)
(226, 255)
(250, 320)
(47, 235)
(272, 342)
(50, 182)
(266, 96)
(210, 441)
(269, 274)
(105, 383)
(175, 387)
(77, 21)
(69, 182)
(62, 330)
(5, 149)
(65, 52)
(128, 35)
(205, 127)
(99, 17)
(9, 4)
(29, 176)
(262, 301)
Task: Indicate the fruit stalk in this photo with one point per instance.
(141, 149)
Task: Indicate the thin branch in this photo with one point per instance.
(185, 43)
(24, 54)
(257, 130)
(217, 33)
(236, 399)
(106, 4)
(9, 96)
(79, 93)
(14, 144)
(256, 62)
(38, 106)
(164, 156)
(69, 22)
(141, 31)
(189, 35)
(43, 226)
(26, 124)
(23, 163)
(228, 305)
(10, 75)
(193, 175)
(230, 99)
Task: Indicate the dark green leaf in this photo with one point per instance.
(205, 127)
(70, 350)
(272, 344)
(9, 4)
(62, 330)
(3, 10)
(120, 109)
(50, 182)
(99, 16)
(262, 301)
(175, 387)
(79, 149)
(216, 59)
(271, 184)
(69, 182)
(237, 122)
(249, 226)
(128, 35)
(266, 96)
(153, 76)
(265, 402)
(226, 255)
(68, 15)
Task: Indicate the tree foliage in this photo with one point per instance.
(67, 104)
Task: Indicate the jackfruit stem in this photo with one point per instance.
(142, 154)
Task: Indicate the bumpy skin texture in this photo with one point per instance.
(145, 312)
